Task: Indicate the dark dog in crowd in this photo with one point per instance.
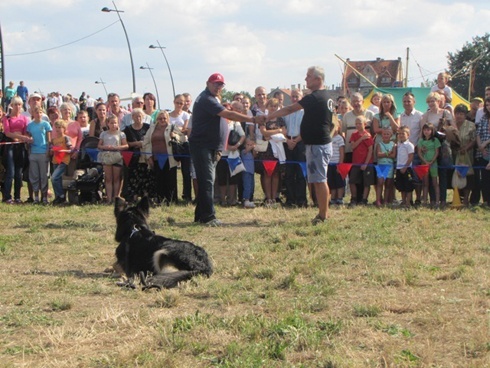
(160, 262)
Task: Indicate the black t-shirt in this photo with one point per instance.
(317, 120)
(205, 131)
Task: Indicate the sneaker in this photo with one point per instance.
(317, 220)
(36, 201)
(214, 223)
(9, 201)
(30, 200)
(17, 201)
(59, 201)
(340, 202)
(248, 204)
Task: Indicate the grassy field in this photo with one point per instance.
(370, 288)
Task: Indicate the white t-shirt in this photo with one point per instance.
(180, 120)
(403, 150)
(412, 121)
(337, 142)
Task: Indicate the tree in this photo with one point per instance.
(472, 60)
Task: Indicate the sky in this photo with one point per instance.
(67, 45)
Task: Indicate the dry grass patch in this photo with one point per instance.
(370, 288)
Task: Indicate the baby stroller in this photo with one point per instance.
(85, 182)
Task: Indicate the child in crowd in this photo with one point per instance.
(334, 179)
(40, 133)
(428, 151)
(404, 158)
(386, 153)
(362, 158)
(111, 142)
(248, 175)
(82, 118)
(61, 143)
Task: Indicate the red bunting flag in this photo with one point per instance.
(59, 154)
(127, 156)
(343, 169)
(421, 170)
(269, 167)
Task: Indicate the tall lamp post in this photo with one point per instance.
(166, 61)
(107, 10)
(154, 83)
(103, 85)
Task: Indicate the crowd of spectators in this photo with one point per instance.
(398, 151)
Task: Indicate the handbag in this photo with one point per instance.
(233, 137)
(179, 149)
(261, 145)
(109, 158)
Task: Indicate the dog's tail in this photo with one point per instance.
(167, 280)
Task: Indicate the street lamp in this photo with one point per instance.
(107, 10)
(168, 66)
(154, 83)
(103, 85)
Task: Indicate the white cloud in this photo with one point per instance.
(267, 42)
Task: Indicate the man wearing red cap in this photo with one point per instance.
(206, 144)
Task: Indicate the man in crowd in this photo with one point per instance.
(295, 152)
(412, 118)
(349, 127)
(187, 102)
(114, 107)
(23, 92)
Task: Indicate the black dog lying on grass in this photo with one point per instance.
(159, 262)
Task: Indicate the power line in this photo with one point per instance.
(66, 44)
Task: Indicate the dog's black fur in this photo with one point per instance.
(142, 252)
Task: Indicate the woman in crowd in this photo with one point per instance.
(227, 183)
(10, 92)
(15, 155)
(99, 124)
(73, 130)
(387, 118)
(150, 107)
(139, 179)
(270, 183)
(180, 121)
(464, 155)
(157, 141)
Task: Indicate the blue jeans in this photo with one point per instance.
(57, 179)
(205, 162)
(248, 185)
(14, 169)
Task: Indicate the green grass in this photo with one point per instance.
(369, 288)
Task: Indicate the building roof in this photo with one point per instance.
(382, 73)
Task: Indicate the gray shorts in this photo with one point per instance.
(317, 159)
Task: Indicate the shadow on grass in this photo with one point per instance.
(76, 273)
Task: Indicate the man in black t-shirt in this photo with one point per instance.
(315, 132)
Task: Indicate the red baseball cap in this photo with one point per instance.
(216, 78)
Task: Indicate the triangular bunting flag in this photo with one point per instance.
(233, 163)
(303, 168)
(343, 169)
(127, 156)
(162, 160)
(269, 167)
(59, 154)
(383, 170)
(421, 170)
(92, 153)
(462, 170)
